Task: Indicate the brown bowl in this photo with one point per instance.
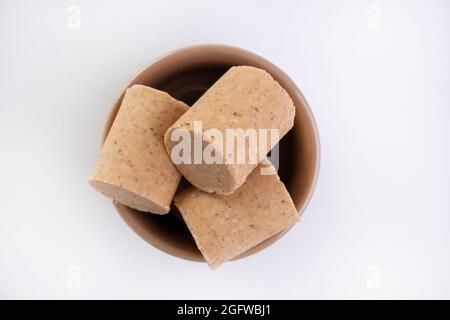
(186, 74)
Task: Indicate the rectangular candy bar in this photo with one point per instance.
(133, 167)
(226, 226)
(243, 98)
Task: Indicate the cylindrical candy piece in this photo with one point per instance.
(133, 167)
(244, 98)
(223, 227)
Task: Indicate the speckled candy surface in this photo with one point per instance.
(225, 226)
(243, 98)
(133, 167)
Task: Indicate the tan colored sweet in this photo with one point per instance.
(133, 167)
(226, 226)
(243, 98)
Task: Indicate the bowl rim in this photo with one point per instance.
(225, 49)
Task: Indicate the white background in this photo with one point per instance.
(376, 74)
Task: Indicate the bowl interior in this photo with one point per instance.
(186, 74)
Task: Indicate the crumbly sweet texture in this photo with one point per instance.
(244, 97)
(226, 226)
(133, 167)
